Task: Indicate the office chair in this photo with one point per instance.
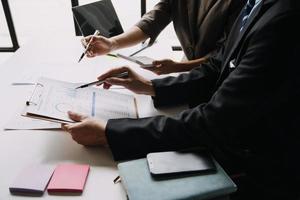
(76, 3)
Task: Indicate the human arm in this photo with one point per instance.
(100, 45)
(165, 92)
(86, 130)
(237, 115)
(167, 66)
(151, 24)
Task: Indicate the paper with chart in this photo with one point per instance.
(52, 99)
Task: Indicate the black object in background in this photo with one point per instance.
(180, 162)
(11, 28)
(99, 15)
(176, 48)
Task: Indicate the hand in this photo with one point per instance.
(86, 131)
(133, 82)
(165, 66)
(99, 45)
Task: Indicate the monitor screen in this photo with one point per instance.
(99, 15)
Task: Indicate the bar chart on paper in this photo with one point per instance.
(52, 99)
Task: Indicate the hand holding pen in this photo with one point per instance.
(96, 45)
(132, 81)
(101, 81)
(87, 47)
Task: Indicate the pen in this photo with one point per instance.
(88, 45)
(121, 75)
(143, 48)
(112, 55)
(138, 51)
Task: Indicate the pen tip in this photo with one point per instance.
(81, 57)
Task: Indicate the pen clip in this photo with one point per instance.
(117, 180)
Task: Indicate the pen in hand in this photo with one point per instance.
(99, 82)
(88, 45)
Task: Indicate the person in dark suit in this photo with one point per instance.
(201, 27)
(244, 106)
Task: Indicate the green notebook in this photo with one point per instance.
(140, 185)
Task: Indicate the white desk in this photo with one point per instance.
(18, 149)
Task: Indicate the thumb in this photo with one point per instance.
(76, 116)
(158, 62)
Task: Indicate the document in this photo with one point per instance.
(52, 99)
(25, 123)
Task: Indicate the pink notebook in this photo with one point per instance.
(68, 178)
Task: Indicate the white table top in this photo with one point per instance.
(18, 149)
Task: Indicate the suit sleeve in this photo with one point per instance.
(248, 94)
(190, 88)
(153, 22)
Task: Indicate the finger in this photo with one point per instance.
(91, 44)
(90, 54)
(65, 127)
(117, 81)
(150, 68)
(76, 116)
(85, 41)
(70, 127)
(113, 72)
(158, 72)
(163, 62)
(157, 62)
(106, 85)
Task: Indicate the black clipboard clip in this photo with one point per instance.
(30, 100)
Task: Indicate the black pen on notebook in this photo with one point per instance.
(99, 82)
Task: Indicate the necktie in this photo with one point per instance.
(246, 12)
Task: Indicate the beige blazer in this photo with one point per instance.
(201, 25)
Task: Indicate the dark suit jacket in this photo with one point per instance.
(201, 25)
(247, 112)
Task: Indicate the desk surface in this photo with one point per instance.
(18, 149)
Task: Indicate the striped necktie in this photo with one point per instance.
(246, 12)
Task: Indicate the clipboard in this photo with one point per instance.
(51, 100)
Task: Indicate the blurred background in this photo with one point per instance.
(53, 18)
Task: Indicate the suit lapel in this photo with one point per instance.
(240, 35)
(235, 37)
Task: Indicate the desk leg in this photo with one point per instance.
(143, 7)
(11, 29)
(77, 31)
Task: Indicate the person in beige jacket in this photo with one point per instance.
(201, 26)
